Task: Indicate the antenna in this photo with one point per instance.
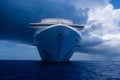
(58, 19)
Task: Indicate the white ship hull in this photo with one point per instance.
(56, 43)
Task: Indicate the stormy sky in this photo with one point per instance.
(100, 38)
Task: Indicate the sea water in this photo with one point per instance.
(72, 70)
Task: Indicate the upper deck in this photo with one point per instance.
(56, 21)
(53, 21)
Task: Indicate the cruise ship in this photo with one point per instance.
(56, 38)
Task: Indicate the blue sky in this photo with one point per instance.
(100, 38)
(116, 3)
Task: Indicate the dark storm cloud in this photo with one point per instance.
(15, 16)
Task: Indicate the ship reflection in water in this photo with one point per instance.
(74, 70)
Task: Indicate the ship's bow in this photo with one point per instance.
(56, 43)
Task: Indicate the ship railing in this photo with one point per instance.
(43, 25)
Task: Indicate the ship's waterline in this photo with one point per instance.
(56, 40)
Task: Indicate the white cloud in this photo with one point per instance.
(25, 45)
(104, 24)
(91, 4)
(103, 20)
(102, 30)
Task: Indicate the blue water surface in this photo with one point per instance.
(73, 70)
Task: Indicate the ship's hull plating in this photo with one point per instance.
(56, 43)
